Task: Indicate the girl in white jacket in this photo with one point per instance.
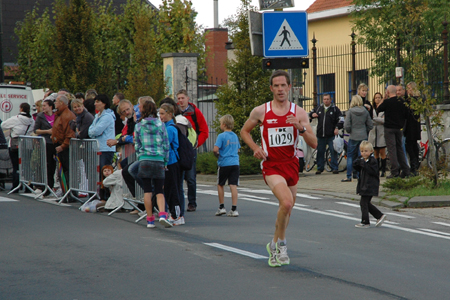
(22, 124)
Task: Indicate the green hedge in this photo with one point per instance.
(207, 164)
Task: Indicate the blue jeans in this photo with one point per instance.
(106, 159)
(352, 154)
(191, 180)
(321, 147)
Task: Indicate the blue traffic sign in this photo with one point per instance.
(285, 34)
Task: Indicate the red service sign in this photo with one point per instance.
(6, 106)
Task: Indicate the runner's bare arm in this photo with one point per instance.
(256, 116)
(300, 121)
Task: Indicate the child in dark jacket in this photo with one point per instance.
(368, 185)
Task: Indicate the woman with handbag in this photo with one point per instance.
(22, 124)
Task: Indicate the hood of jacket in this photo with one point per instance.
(358, 110)
(24, 119)
(108, 111)
(151, 124)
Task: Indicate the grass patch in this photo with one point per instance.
(416, 186)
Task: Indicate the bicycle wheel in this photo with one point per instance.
(311, 161)
(443, 155)
(341, 160)
(328, 160)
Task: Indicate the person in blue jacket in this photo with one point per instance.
(173, 173)
(102, 129)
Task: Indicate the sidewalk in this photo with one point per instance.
(329, 184)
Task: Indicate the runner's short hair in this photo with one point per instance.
(279, 73)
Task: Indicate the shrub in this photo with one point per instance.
(406, 183)
(207, 164)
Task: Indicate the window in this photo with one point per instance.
(362, 76)
(326, 85)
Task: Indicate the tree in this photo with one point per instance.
(248, 83)
(178, 31)
(145, 74)
(35, 34)
(416, 24)
(75, 66)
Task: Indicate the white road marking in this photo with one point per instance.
(339, 212)
(357, 219)
(435, 231)
(4, 199)
(269, 192)
(236, 250)
(302, 205)
(348, 204)
(441, 223)
(401, 216)
(387, 224)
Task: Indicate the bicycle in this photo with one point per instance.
(442, 153)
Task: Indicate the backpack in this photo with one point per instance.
(186, 152)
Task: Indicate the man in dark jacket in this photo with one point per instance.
(395, 113)
(328, 125)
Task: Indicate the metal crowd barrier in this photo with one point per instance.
(84, 164)
(33, 164)
(129, 152)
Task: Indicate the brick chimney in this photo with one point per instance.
(216, 39)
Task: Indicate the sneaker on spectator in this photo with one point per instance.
(380, 221)
(182, 221)
(151, 224)
(59, 193)
(37, 191)
(282, 256)
(142, 213)
(233, 213)
(175, 222)
(362, 225)
(163, 220)
(221, 211)
(134, 212)
(273, 262)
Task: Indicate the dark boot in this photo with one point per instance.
(383, 167)
(379, 165)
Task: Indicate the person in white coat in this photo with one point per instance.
(22, 124)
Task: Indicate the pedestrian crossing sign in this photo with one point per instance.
(285, 34)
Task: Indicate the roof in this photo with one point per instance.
(321, 5)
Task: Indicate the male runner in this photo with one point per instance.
(280, 122)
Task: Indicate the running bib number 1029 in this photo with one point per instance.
(281, 136)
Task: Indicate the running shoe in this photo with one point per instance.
(380, 221)
(163, 220)
(221, 211)
(233, 213)
(282, 256)
(362, 225)
(273, 262)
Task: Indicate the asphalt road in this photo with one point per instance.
(57, 252)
